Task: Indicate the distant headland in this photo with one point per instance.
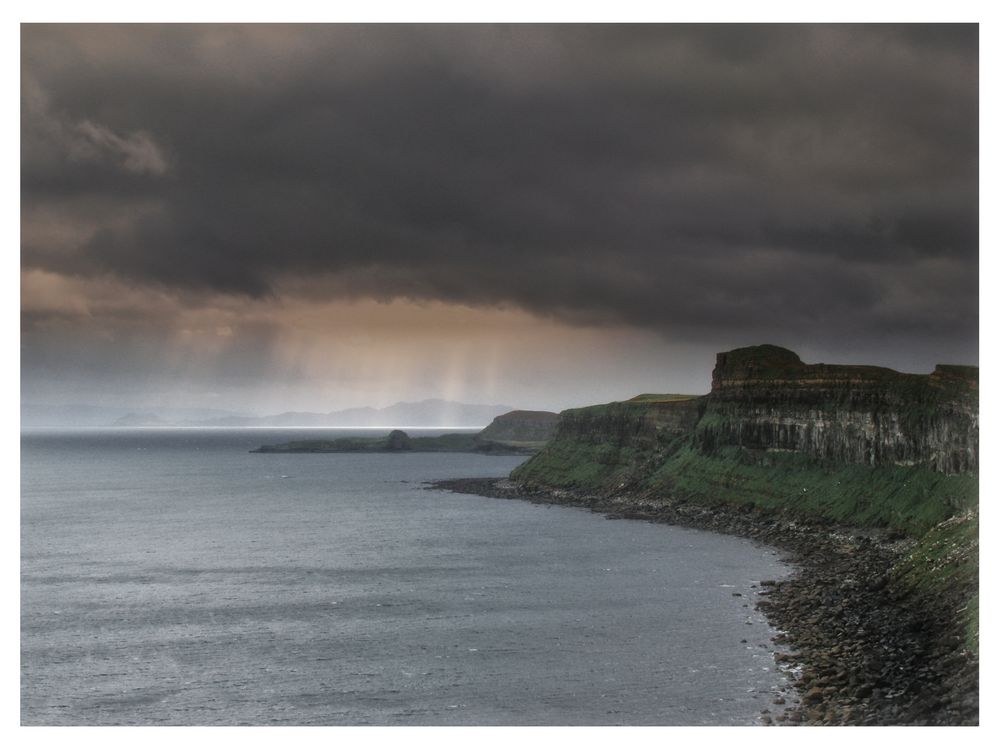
(513, 433)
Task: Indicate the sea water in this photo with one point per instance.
(170, 576)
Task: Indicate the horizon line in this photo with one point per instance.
(251, 427)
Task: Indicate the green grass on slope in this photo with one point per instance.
(908, 498)
(945, 563)
(586, 466)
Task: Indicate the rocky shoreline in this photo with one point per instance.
(860, 648)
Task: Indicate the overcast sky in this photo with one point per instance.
(264, 218)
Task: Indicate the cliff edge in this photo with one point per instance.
(521, 427)
(847, 443)
(867, 476)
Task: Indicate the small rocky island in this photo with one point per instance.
(512, 434)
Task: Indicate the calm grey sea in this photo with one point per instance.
(171, 577)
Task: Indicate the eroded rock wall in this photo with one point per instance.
(630, 424)
(522, 425)
(766, 398)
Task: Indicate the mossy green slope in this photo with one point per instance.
(734, 449)
(911, 499)
(943, 567)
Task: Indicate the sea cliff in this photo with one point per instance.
(766, 398)
(863, 445)
(867, 477)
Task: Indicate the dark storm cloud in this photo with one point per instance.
(758, 180)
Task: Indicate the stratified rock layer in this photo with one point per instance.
(851, 443)
(765, 398)
(521, 426)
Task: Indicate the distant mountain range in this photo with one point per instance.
(432, 412)
(88, 415)
(428, 413)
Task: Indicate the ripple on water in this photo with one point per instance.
(178, 585)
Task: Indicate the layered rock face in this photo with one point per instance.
(521, 426)
(630, 423)
(766, 398)
(853, 444)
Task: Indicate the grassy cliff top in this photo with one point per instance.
(526, 429)
(768, 362)
(659, 398)
(527, 415)
(762, 355)
(967, 373)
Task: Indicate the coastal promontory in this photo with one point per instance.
(866, 477)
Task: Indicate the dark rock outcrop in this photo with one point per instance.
(629, 423)
(397, 440)
(521, 426)
(766, 398)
